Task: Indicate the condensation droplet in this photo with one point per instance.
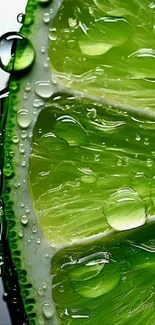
(27, 210)
(52, 34)
(34, 230)
(24, 119)
(37, 103)
(138, 138)
(40, 291)
(23, 163)
(149, 162)
(44, 89)
(17, 184)
(54, 79)
(146, 141)
(44, 285)
(22, 205)
(72, 22)
(20, 18)
(21, 148)
(15, 139)
(125, 209)
(25, 96)
(43, 49)
(46, 17)
(48, 310)
(23, 134)
(24, 220)
(38, 241)
(28, 87)
(20, 233)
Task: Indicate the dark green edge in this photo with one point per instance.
(14, 88)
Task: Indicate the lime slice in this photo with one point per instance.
(79, 160)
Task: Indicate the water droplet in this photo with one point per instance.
(38, 103)
(52, 34)
(24, 119)
(20, 233)
(21, 148)
(24, 220)
(51, 11)
(23, 134)
(27, 210)
(40, 291)
(41, 320)
(138, 138)
(70, 130)
(88, 179)
(25, 53)
(34, 230)
(17, 184)
(125, 210)
(146, 141)
(20, 18)
(72, 22)
(25, 96)
(28, 87)
(44, 89)
(43, 49)
(97, 158)
(22, 205)
(38, 241)
(44, 285)
(15, 139)
(8, 171)
(46, 17)
(23, 163)
(54, 78)
(149, 162)
(61, 289)
(48, 310)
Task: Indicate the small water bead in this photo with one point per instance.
(46, 18)
(37, 103)
(24, 220)
(40, 291)
(20, 233)
(72, 22)
(125, 210)
(27, 210)
(149, 162)
(22, 204)
(88, 179)
(52, 34)
(48, 310)
(17, 184)
(25, 96)
(24, 119)
(21, 148)
(138, 138)
(44, 285)
(15, 139)
(28, 87)
(38, 241)
(34, 230)
(54, 79)
(23, 134)
(23, 163)
(44, 89)
(43, 49)
(41, 320)
(146, 141)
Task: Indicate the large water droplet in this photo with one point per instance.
(44, 89)
(48, 310)
(24, 119)
(24, 220)
(46, 18)
(52, 34)
(125, 210)
(15, 139)
(70, 130)
(22, 52)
